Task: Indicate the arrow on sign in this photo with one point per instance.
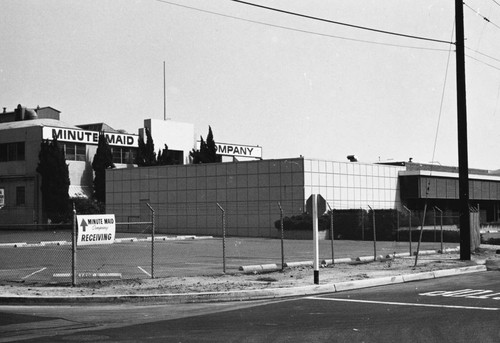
(84, 224)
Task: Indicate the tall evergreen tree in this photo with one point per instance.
(150, 156)
(164, 157)
(139, 159)
(103, 159)
(146, 155)
(207, 152)
(197, 155)
(211, 149)
(55, 183)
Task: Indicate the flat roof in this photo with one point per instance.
(36, 123)
(452, 175)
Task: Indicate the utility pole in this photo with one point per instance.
(463, 163)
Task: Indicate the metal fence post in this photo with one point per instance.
(331, 233)
(73, 248)
(374, 235)
(282, 237)
(362, 224)
(223, 238)
(421, 233)
(409, 226)
(397, 226)
(152, 241)
(441, 217)
(435, 235)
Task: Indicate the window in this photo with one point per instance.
(80, 152)
(74, 151)
(12, 152)
(117, 155)
(178, 156)
(123, 155)
(20, 196)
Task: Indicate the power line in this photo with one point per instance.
(485, 55)
(498, 4)
(342, 23)
(442, 99)
(301, 30)
(328, 35)
(482, 16)
(489, 65)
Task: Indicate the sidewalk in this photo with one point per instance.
(296, 281)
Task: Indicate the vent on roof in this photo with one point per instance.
(24, 113)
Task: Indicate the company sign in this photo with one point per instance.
(225, 149)
(96, 229)
(2, 197)
(89, 137)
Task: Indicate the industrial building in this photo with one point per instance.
(21, 134)
(191, 198)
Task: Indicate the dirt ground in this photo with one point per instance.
(290, 277)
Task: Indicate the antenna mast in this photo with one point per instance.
(164, 94)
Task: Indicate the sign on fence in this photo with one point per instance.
(96, 229)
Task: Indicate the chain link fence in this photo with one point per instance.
(45, 253)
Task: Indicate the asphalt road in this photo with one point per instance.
(454, 309)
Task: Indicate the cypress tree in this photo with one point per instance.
(150, 154)
(211, 149)
(139, 158)
(207, 152)
(103, 159)
(55, 183)
(146, 155)
(164, 157)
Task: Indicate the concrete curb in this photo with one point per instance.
(117, 240)
(259, 268)
(399, 254)
(425, 252)
(337, 260)
(241, 295)
(369, 258)
(299, 264)
(492, 264)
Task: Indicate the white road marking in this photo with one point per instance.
(38, 271)
(465, 293)
(18, 269)
(145, 272)
(202, 263)
(407, 304)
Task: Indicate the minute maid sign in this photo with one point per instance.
(96, 229)
(89, 137)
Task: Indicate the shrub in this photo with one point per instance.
(428, 236)
(348, 224)
(88, 206)
(302, 222)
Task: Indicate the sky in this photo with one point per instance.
(292, 85)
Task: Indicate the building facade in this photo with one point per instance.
(191, 199)
(249, 191)
(21, 134)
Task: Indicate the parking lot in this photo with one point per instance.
(46, 256)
